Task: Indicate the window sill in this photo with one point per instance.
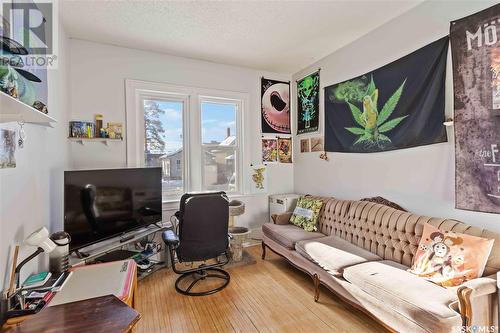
(174, 203)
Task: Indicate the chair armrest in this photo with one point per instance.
(170, 238)
(281, 218)
(471, 289)
(481, 286)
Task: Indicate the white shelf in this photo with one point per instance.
(83, 141)
(12, 109)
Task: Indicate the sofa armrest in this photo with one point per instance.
(471, 289)
(482, 286)
(281, 218)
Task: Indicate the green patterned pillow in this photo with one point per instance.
(306, 213)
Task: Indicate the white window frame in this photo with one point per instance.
(136, 90)
(239, 135)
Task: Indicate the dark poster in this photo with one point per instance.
(399, 105)
(308, 104)
(275, 104)
(476, 81)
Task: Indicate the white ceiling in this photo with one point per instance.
(280, 36)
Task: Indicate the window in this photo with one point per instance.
(220, 147)
(194, 134)
(163, 142)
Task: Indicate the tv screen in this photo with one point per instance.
(100, 204)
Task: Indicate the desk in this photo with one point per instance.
(106, 314)
(92, 275)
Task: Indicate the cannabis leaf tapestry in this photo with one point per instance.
(308, 104)
(475, 49)
(399, 105)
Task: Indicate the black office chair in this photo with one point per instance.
(202, 235)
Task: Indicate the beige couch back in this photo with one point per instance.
(390, 233)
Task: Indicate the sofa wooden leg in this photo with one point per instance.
(263, 250)
(317, 283)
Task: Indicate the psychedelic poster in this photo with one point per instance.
(399, 105)
(308, 104)
(475, 48)
(269, 150)
(285, 150)
(275, 106)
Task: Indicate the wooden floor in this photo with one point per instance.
(269, 296)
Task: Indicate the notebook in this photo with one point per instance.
(112, 278)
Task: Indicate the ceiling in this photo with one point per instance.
(279, 36)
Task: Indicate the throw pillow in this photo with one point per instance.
(306, 213)
(449, 259)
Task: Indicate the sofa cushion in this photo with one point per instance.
(333, 253)
(418, 299)
(288, 234)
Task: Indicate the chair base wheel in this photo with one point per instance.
(201, 275)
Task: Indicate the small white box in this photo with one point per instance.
(282, 203)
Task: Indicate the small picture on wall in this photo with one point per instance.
(317, 144)
(269, 150)
(285, 150)
(304, 145)
(7, 149)
(259, 178)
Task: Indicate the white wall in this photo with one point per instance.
(420, 179)
(31, 193)
(97, 81)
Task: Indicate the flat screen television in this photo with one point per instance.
(100, 204)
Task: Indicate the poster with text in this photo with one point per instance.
(275, 106)
(475, 47)
(308, 104)
(399, 105)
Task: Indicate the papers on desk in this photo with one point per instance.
(113, 278)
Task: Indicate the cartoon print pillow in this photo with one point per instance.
(449, 259)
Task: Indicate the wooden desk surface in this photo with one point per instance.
(106, 314)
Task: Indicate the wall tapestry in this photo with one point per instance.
(475, 46)
(269, 150)
(258, 174)
(399, 105)
(308, 104)
(285, 150)
(19, 76)
(7, 149)
(275, 103)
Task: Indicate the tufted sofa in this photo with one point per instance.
(362, 251)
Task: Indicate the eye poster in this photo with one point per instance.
(275, 106)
